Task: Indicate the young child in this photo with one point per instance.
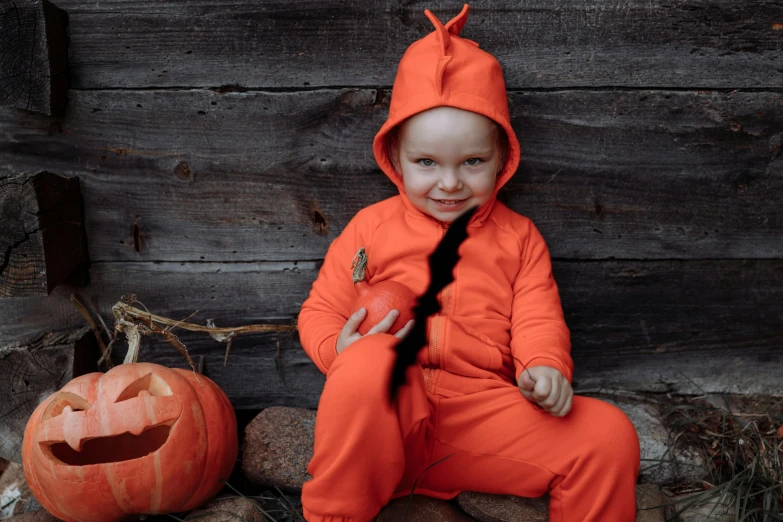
(491, 393)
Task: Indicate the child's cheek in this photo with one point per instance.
(484, 190)
(415, 186)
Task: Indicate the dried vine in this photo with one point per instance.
(135, 322)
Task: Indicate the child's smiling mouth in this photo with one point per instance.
(448, 204)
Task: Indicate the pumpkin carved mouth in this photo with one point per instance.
(114, 448)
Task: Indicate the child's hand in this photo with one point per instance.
(547, 387)
(349, 333)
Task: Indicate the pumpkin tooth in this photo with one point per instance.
(73, 440)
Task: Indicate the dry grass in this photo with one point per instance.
(740, 440)
(272, 506)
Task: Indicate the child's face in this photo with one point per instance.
(449, 160)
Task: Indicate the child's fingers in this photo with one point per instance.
(404, 330)
(563, 411)
(385, 323)
(526, 381)
(543, 388)
(569, 402)
(555, 394)
(558, 408)
(353, 322)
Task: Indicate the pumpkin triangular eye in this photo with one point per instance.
(63, 401)
(150, 384)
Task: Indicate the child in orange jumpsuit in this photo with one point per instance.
(491, 392)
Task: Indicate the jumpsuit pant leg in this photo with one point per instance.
(500, 443)
(364, 446)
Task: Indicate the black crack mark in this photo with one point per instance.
(44, 368)
(19, 406)
(7, 255)
(136, 237)
(319, 222)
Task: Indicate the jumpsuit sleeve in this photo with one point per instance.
(539, 335)
(327, 308)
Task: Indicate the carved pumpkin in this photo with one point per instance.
(380, 298)
(140, 438)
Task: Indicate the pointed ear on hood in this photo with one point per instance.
(456, 24)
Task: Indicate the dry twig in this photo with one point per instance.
(129, 311)
(95, 330)
(125, 314)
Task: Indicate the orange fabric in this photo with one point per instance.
(501, 314)
(367, 451)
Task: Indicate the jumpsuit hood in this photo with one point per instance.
(444, 69)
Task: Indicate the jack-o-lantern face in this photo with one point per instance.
(77, 448)
(108, 445)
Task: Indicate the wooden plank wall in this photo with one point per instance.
(221, 146)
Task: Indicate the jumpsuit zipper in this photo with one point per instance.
(434, 352)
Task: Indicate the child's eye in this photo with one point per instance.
(474, 160)
(431, 163)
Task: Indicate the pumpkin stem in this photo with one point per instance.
(359, 266)
(134, 340)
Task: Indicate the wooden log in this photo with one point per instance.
(16, 497)
(42, 236)
(276, 176)
(544, 44)
(33, 56)
(33, 371)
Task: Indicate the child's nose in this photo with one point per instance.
(449, 181)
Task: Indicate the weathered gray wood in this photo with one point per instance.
(33, 56)
(253, 379)
(540, 43)
(198, 175)
(635, 324)
(232, 294)
(42, 236)
(31, 372)
(255, 376)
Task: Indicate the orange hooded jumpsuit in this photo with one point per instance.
(501, 314)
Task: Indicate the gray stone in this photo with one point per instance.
(654, 446)
(35, 516)
(711, 510)
(422, 509)
(504, 508)
(278, 446)
(650, 503)
(227, 510)
(507, 508)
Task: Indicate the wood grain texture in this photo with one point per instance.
(42, 236)
(540, 43)
(31, 372)
(635, 325)
(220, 147)
(230, 293)
(33, 56)
(207, 176)
(257, 376)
